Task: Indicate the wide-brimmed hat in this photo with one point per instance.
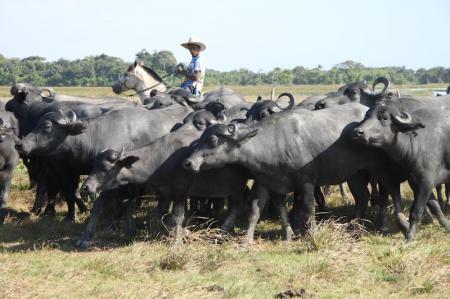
(194, 41)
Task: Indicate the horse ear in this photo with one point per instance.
(135, 63)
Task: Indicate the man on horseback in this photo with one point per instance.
(195, 72)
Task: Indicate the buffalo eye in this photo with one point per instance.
(213, 140)
(264, 115)
(47, 126)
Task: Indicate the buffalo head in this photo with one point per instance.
(50, 132)
(108, 171)
(264, 108)
(358, 92)
(383, 122)
(218, 146)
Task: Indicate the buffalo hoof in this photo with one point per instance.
(131, 231)
(50, 211)
(83, 244)
(384, 229)
(36, 211)
(70, 218)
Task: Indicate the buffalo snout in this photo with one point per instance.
(189, 164)
(87, 189)
(320, 105)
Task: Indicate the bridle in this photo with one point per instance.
(122, 85)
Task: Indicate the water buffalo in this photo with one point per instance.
(8, 161)
(357, 92)
(29, 104)
(297, 150)
(417, 139)
(77, 141)
(159, 166)
(264, 108)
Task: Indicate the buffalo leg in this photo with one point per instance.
(259, 195)
(130, 223)
(307, 207)
(4, 194)
(374, 193)
(178, 218)
(383, 203)
(280, 203)
(320, 199)
(358, 186)
(235, 206)
(435, 208)
(422, 193)
(89, 231)
(80, 203)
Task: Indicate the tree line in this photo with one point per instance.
(102, 70)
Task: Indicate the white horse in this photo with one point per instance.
(141, 79)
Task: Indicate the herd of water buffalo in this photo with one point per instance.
(200, 152)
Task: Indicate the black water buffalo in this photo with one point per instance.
(418, 140)
(29, 104)
(75, 143)
(159, 166)
(8, 161)
(296, 150)
(357, 92)
(264, 108)
(8, 156)
(222, 95)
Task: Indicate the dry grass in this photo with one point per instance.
(337, 259)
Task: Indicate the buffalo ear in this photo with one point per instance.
(242, 137)
(76, 128)
(406, 123)
(127, 162)
(259, 98)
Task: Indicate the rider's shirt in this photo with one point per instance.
(197, 64)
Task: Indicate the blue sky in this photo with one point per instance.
(258, 35)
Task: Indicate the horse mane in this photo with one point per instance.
(152, 73)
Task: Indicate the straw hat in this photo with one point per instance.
(194, 41)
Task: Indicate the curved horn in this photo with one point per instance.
(403, 120)
(291, 100)
(71, 117)
(122, 151)
(386, 84)
(232, 129)
(63, 120)
(49, 97)
(221, 117)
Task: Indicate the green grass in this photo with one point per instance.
(337, 260)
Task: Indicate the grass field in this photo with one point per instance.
(337, 260)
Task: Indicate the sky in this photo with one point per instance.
(257, 35)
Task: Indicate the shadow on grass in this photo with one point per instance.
(24, 232)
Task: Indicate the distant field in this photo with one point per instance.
(38, 258)
(249, 92)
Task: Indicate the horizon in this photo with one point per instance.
(409, 34)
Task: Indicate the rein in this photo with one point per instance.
(151, 87)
